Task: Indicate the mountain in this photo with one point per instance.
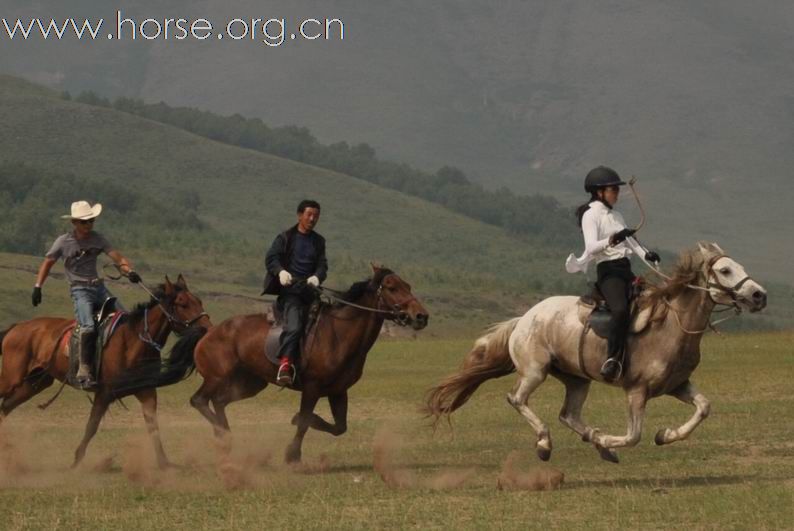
(243, 198)
(692, 97)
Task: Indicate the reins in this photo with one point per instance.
(395, 315)
(730, 291)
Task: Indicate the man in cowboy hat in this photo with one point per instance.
(80, 249)
(295, 264)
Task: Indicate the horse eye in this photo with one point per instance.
(725, 270)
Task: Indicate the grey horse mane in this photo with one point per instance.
(686, 271)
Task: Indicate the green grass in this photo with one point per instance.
(735, 472)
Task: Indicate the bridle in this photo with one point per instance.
(175, 322)
(708, 274)
(395, 314)
(732, 291)
(172, 319)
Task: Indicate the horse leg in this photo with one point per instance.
(687, 393)
(22, 393)
(576, 390)
(201, 401)
(338, 410)
(148, 400)
(98, 409)
(527, 383)
(308, 401)
(637, 398)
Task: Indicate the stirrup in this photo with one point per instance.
(608, 372)
(85, 381)
(286, 374)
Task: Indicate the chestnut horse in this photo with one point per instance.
(34, 354)
(232, 361)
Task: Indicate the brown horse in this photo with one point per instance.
(232, 360)
(664, 352)
(34, 354)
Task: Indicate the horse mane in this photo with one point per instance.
(686, 271)
(358, 289)
(140, 309)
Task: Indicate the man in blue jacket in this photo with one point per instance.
(295, 265)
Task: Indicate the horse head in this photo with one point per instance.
(184, 307)
(728, 282)
(394, 294)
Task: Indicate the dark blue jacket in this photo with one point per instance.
(280, 254)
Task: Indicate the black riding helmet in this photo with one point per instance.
(601, 177)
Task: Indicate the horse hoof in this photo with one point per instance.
(660, 439)
(293, 456)
(544, 454)
(608, 454)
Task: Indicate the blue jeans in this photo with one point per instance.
(88, 300)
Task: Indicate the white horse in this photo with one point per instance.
(663, 352)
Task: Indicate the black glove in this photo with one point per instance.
(620, 236)
(134, 277)
(36, 297)
(653, 256)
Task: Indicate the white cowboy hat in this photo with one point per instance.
(83, 210)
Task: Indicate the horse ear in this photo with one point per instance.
(169, 287)
(375, 267)
(705, 249)
(180, 281)
(717, 248)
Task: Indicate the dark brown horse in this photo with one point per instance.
(34, 355)
(232, 360)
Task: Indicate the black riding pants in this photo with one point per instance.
(293, 304)
(614, 281)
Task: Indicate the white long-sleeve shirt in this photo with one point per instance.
(598, 224)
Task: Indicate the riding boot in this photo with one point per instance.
(84, 375)
(612, 369)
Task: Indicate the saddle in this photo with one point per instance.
(107, 320)
(594, 313)
(272, 340)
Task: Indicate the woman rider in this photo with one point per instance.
(609, 242)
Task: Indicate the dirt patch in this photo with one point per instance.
(384, 448)
(514, 478)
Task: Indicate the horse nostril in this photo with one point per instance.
(422, 318)
(759, 296)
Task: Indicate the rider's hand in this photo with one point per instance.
(284, 277)
(313, 281)
(653, 256)
(620, 236)
(134, 277)
(36, 297)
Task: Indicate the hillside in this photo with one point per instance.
(693, 98)
(244, 198)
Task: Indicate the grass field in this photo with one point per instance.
(735, 472)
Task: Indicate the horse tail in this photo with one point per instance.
(159, 373)
(489, 358)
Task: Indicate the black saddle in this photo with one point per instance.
(599, 318)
